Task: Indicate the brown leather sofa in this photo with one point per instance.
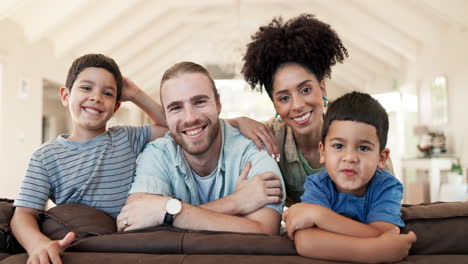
(441, 228)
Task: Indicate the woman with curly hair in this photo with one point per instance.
(291, 61)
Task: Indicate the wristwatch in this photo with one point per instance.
(173, 207)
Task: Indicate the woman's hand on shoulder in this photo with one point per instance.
(259, 133)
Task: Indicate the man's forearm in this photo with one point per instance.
(197, 218)
(145, 210)
(226, 205)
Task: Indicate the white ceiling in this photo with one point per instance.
(146, 36)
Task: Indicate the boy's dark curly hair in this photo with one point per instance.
(303, 40)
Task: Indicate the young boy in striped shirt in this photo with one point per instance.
(93, 165)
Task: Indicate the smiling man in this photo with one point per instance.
(203, 175)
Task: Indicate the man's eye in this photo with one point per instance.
(174, 108)
(199, 102)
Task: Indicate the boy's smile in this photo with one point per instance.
(91, 101)
(351, 155)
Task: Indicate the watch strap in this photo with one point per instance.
(168, 219)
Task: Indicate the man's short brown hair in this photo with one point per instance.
(188, 67)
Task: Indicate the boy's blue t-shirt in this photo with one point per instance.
(381, 202)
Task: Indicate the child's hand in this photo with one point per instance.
(299, 216)
(392, 246)
(258, 191)
(50, 251)
(129, 90)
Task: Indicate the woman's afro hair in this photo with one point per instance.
(303, 40)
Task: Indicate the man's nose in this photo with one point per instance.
(191, 116)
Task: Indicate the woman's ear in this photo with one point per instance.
(64, 95)
(383, 156)
(323, 87)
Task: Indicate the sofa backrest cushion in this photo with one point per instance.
(8, 243)
(440, 228)
(85, 221)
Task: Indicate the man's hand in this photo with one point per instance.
(259, 133)
(392, 246)
(258, 191)
(49, 252)
(300, 216)
(129, 90)
(142, 210)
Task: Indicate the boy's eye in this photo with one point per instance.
(363, 148)
(109, 94)
(306, 90)
(284, 98)
(337, 146)
(86, 88)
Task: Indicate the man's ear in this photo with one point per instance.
(383, 156)
(64, 95)
(116, 107)
(321, 151)
(218, 106)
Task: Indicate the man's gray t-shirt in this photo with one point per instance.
(97, 172)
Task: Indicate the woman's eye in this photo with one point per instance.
(284, 98)
(306, 90)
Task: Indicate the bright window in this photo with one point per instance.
(238, 99)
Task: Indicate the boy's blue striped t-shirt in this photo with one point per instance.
(97, 172)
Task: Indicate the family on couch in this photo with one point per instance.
(205, 175)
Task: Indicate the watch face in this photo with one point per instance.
(173, 206)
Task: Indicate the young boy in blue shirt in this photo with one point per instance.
(93, 165)
(351, 210)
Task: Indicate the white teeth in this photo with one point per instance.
(194, 132)
(92, 111)
(302, 118)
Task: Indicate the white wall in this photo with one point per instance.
(448, 57)
(21, 116)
